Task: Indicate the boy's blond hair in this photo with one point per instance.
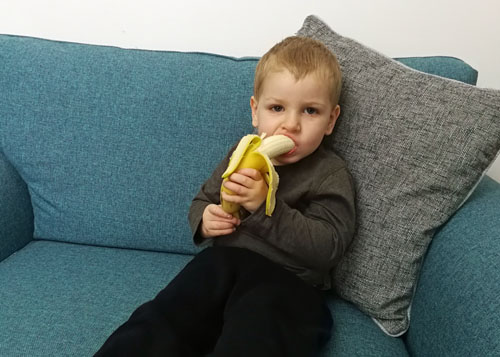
(301, 56)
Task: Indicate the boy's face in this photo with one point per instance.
(301, 110)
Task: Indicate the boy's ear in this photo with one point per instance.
(334, 115)
(253, 105)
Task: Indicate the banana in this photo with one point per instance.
(257, 152)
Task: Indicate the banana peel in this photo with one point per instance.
(257, 153)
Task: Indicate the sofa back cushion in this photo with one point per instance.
(113, 144)
(16, 215)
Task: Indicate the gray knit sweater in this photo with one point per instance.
(312, 224)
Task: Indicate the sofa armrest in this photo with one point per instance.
(16, 213)
(456, 310)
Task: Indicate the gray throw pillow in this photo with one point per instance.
(416, 144)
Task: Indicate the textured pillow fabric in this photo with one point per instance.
(416, 144)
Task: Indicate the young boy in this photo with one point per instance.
(255, 291)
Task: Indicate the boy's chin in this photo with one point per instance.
(285, 160)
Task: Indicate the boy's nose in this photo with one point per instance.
(292, 122)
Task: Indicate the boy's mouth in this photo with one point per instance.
(291, 151)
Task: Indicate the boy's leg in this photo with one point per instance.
(267, 311)
(185, 318)
(272, 312)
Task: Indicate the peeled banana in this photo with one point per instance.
(257, 152)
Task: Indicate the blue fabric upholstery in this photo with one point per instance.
(66, 300)
(16, 216)
(356, 335)
(449, 67)
(60, 299)
(95, 131)
(110, 141)
(101, 146)
(456, 307)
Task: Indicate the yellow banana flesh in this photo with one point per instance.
(257, 152)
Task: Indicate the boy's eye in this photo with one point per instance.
(277, 108)
(310, 111)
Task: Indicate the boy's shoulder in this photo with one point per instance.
(322, 173)
(322, 163)
(325, 160)
(329, 157)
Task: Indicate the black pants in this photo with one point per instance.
(228, 302)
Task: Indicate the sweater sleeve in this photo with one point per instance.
(317, 232)
(209, 193)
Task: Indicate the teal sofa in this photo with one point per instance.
(101, 152)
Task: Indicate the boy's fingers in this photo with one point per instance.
(232, 198)
(235, 181)
(228, 218)
(221, 228)
(252, 173)
(238, 182)
(223, 232)
(217, 210)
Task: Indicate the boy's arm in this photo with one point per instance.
(318, 233)
(209, 194)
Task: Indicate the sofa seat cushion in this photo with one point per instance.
(461, 317)
(356, 334)
(60, 299)
(63, 299)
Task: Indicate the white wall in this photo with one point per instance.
(465, 29)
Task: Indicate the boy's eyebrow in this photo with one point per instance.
(311, 103)
(315, 104)
(273, 99)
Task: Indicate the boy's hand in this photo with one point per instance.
(216, 222)
(249, 187)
